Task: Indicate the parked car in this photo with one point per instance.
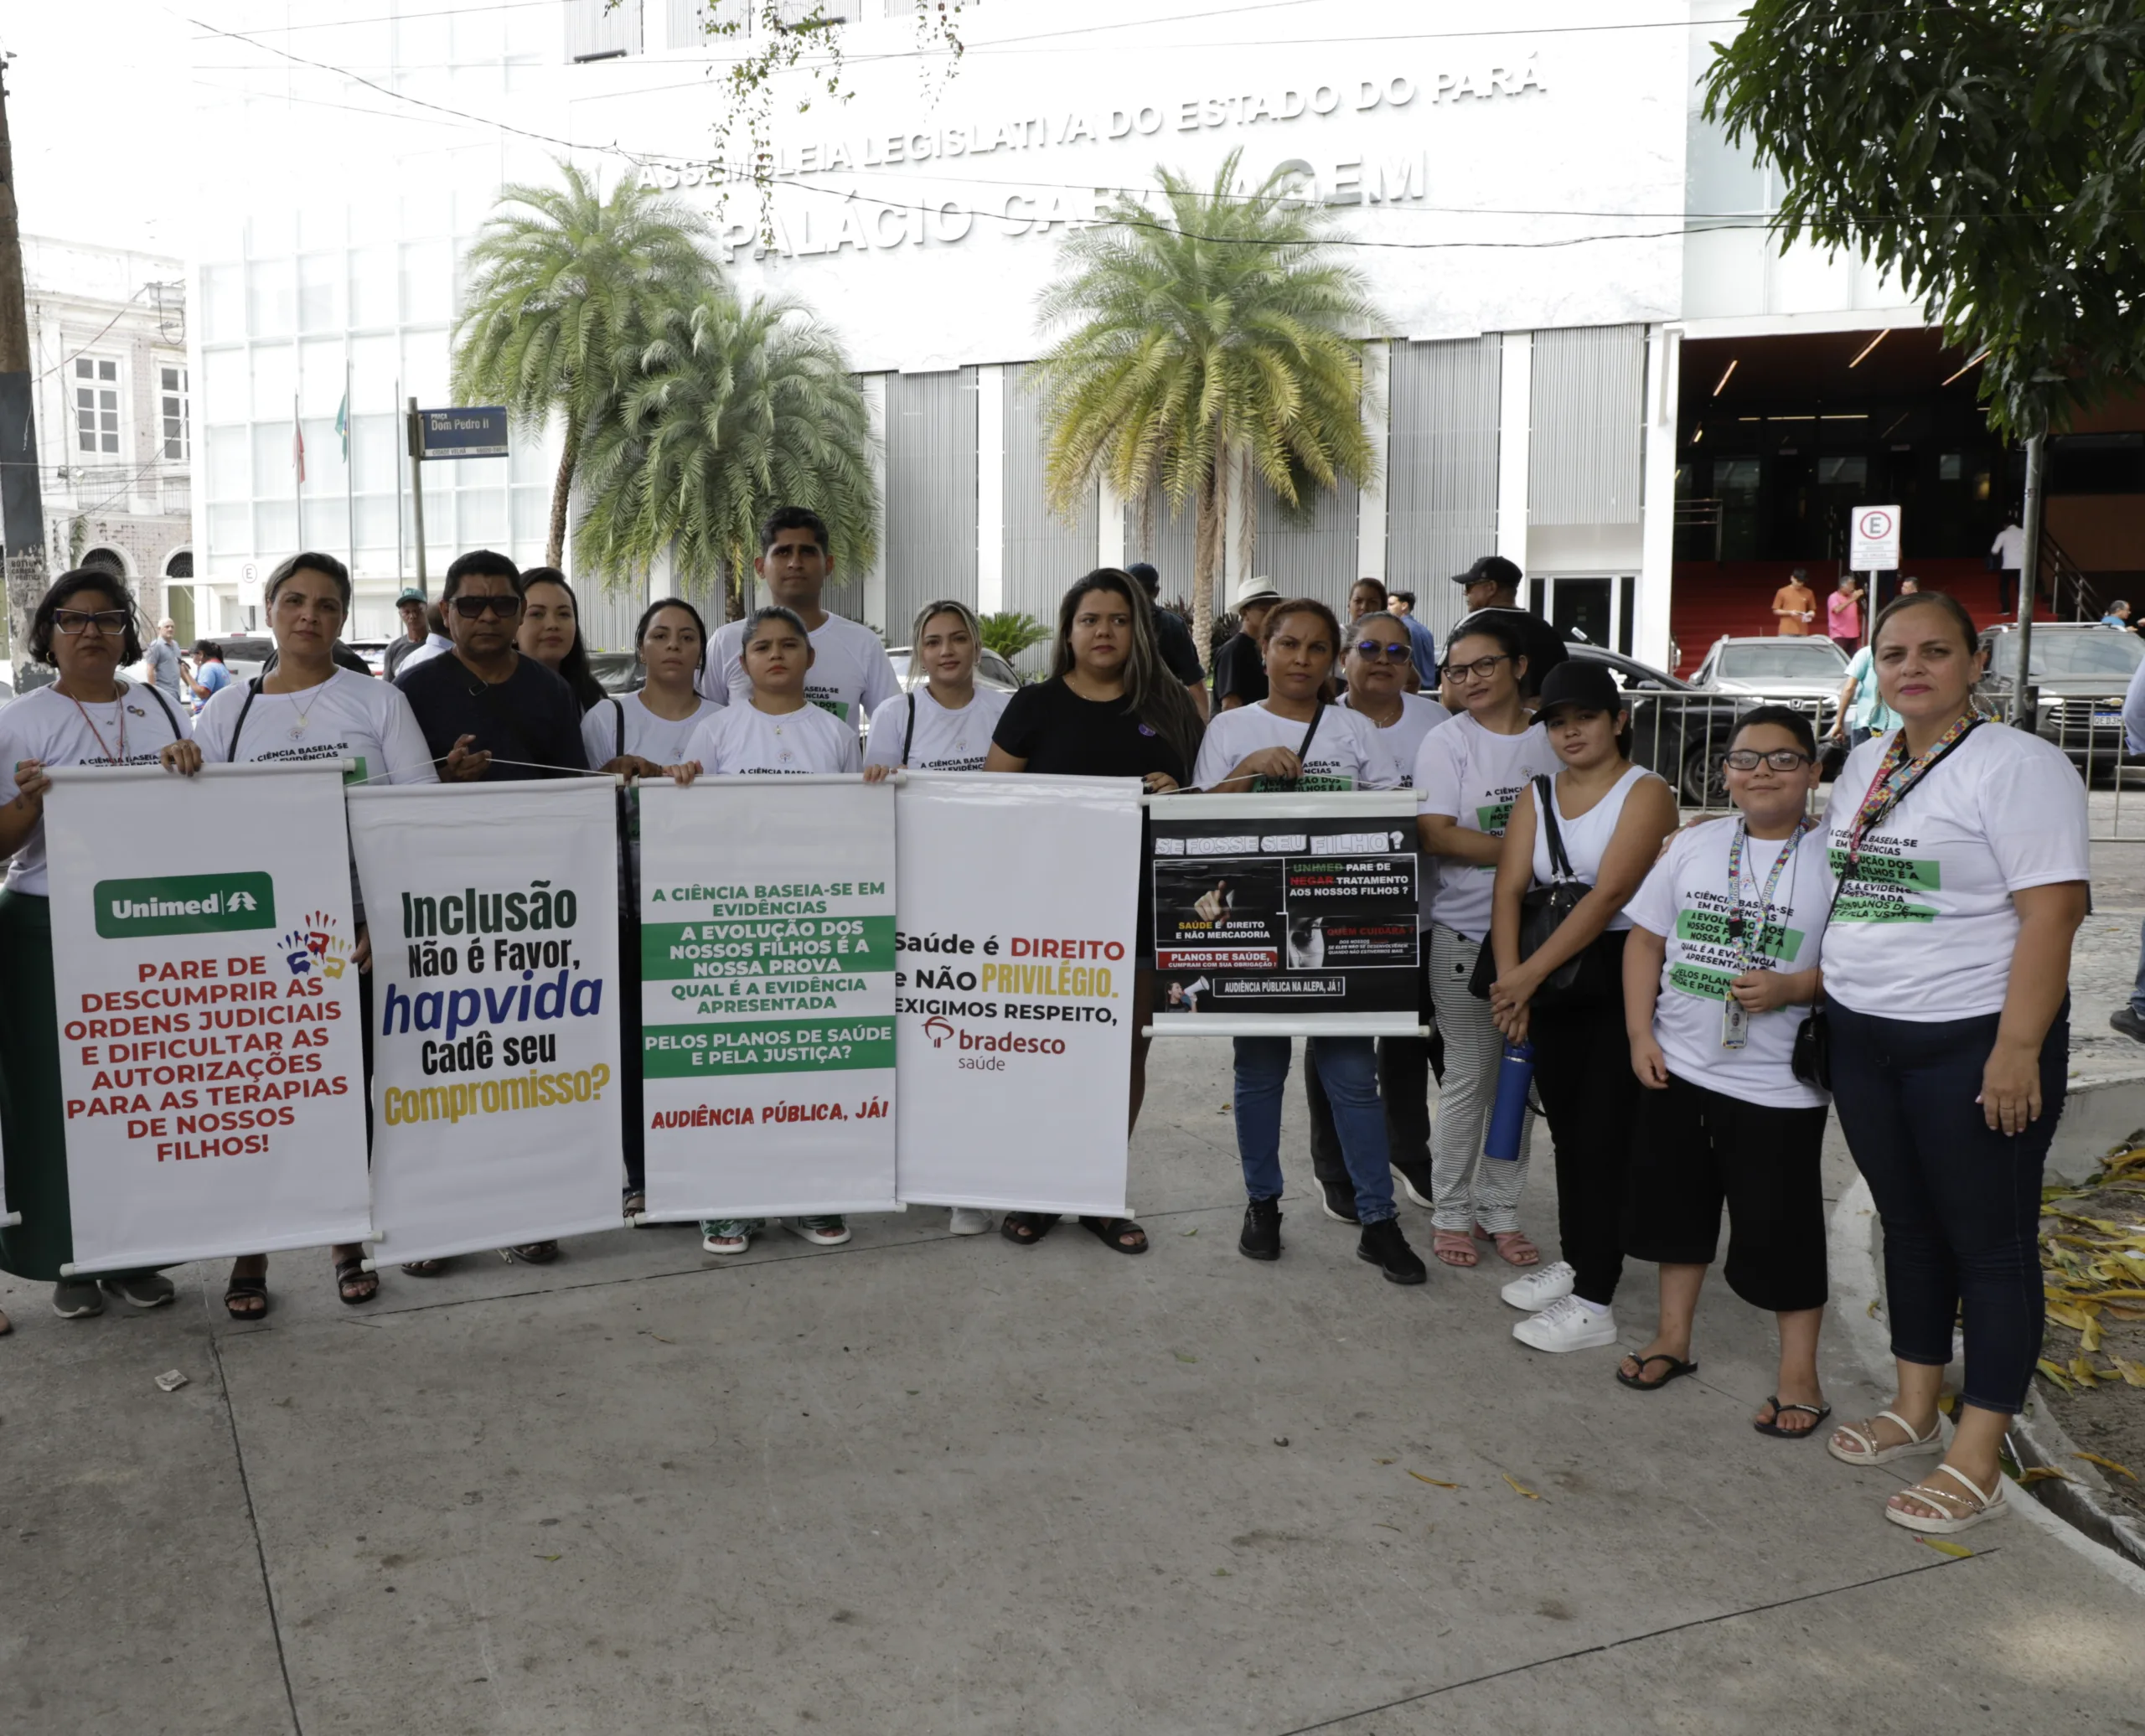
(991, 670)
(617, 672)
(1678, 729)
(1805, 672)
(2082, 672)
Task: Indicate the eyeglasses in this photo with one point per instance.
(1780, 759)
(1479, 670)
(1375, 649)
(72, 622)
(504, 606)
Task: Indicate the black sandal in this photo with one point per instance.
(352, 1271)
(1816, 1412)
(247, 1289)
(1111, 1230)
(537, 1253)
(1677, 1368)
(1024, 1229)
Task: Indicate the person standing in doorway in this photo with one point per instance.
(1491, 593)
(2007, 557)
(849, 674)
(1795, 605)
(167, 669)
(1843, 613)
(1173, 639)
(1424, 641)
(1240, 669)
(409, 606)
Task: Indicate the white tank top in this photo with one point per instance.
(1585, 838)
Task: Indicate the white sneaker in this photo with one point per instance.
(969, 1221)
(1568, 1323)
(1538, 1288)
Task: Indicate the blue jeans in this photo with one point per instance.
(1960, 1203)
(1348, 1067)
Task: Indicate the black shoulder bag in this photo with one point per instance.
(1812, 1059)
(1541, 911)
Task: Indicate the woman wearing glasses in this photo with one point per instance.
(1294, 739)
(1721, 961)
(84, 627)
(487, 712)
(307, 708)
(551, 632)
(1468, 774)
(1379, 660)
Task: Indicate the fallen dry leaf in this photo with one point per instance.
(549, 1557)
(2051, 1372)
(2107, 1464)
(1944, 1546)
(2042, 1473)
(1432, 1482)
(1520, 1487)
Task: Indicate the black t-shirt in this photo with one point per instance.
(1543, 644)
(1240, 669)
(1173, 639)
(532, 717)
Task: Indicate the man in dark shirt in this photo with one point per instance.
(487, 711)
(410, 605)
(1240, 670)
(1493, 587)
(1173, 638)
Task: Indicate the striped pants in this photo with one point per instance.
(1467, 1188)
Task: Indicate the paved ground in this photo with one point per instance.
(923, 1485)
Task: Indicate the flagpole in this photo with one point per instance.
(350, 471)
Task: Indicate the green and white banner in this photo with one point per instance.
(766, 910)
(493, 909)
(209, 1057)
(1015, 996)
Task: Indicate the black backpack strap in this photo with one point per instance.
(619, 706)
(164, 704)
(908, 735)
(1303, 746)
(1560, 864)
(238, 729)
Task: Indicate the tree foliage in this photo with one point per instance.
(1204, 344)
(1010, 632)
(566, 286)
(1992, 154)
(729, 410)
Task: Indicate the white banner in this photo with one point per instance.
(1018, 902)
(494, 911)
(767, 996)
(209, 1056)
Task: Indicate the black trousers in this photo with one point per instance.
(1698, 1149)
(633, 1122)
(1405, 1064)
(1583, 1070)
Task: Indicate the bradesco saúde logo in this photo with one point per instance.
(184, 904)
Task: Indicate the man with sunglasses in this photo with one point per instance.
(487, 712)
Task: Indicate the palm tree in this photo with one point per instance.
(565, 282)
(1204, 346)
(734, 409)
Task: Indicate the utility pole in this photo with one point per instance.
(2025, 694)
(414, 432)
(21, 503)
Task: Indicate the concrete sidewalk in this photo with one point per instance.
(921, 1484)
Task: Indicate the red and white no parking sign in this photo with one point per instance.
(1875, 545)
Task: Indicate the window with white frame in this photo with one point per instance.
(96, 404)
(173, 404)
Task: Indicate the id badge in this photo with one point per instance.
(1734, 1024)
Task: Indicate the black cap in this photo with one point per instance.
(1582, 682)
(1491, 570)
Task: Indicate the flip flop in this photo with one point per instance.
(1024, 1229)
(1815, 1413)
(1637, 1383)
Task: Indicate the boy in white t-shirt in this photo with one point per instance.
(1720, 966)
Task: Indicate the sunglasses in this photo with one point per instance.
(72, 622)
(503, 607)
(1376, 648)
(1780, 759)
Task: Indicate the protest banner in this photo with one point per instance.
(1286, 913)
(1019, 902)
(493, 912)
(209, 1055)
(768, 996)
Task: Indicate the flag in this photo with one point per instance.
(297, 442)
(342, 423)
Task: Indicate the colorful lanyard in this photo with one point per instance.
(1737, 927)
(1895, 775)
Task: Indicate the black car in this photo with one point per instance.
(1677, 730)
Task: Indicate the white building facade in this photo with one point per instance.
(1518, 198)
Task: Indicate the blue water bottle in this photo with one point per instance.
(1509, 1119)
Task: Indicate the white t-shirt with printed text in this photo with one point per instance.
(46, 725)
(742, 740)
(1473, 776)
(1924, 930)
(1404, 737)
(1347, 751)
(347, 716)
(1687, 900)
(662, 741)
(943, 741)
(850, 676)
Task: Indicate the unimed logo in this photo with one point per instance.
(184, 904)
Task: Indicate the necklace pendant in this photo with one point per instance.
(298, 734)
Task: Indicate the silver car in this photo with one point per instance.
(1807, 672)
